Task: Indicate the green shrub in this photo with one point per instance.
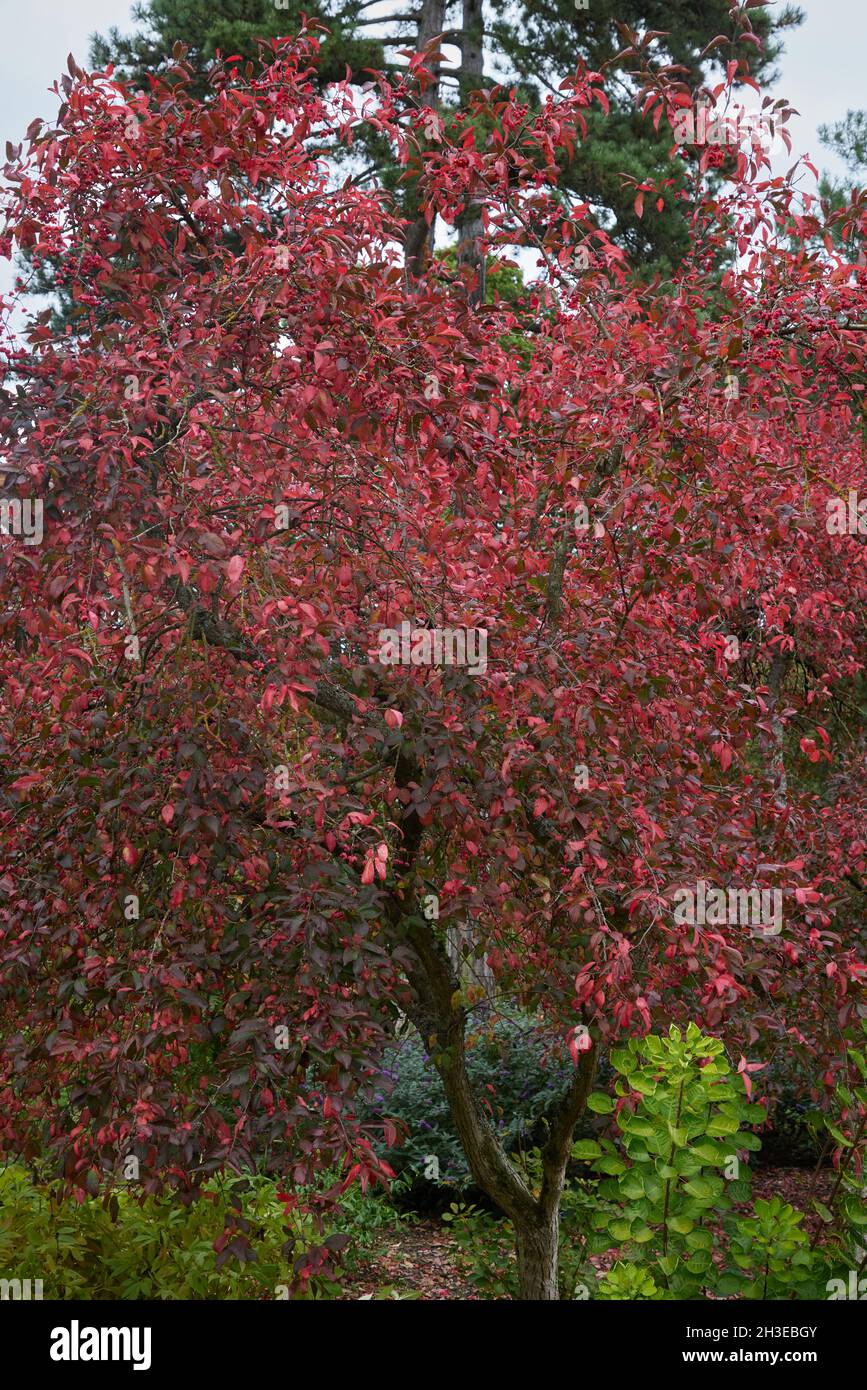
(629, 1281)
(770, 1255)
(161, 1249)
(486, 1250)
(668, 1192)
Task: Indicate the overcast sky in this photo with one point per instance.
(822, 69)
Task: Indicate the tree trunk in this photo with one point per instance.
(776, 679)
(536, 1219)
(418, 240)
(537, 1244)
(471, 227)
(441, 1022)
(468, 967)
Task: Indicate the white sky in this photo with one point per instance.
(822, 69)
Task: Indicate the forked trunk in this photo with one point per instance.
(535, 1217)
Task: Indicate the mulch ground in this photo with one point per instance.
(420, 1257)
(795, 1185)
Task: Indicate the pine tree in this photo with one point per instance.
(529, 45)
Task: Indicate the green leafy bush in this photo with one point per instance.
(668, 1192)
(486, 1246)
(770, 1255)
(672, 1196)
(162, 1249)
(628, 1281)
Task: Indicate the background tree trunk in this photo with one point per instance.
(471, 227)
(460, 945)
(777, 745)
(418, 241)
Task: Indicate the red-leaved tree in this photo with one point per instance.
(229, 799)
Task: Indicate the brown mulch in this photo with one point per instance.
(420, 1257)
(794, 1185)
